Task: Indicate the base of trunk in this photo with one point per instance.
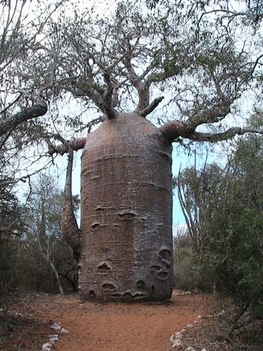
(125, 296)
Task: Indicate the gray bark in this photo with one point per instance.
(69, 225)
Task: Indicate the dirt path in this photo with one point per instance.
(120, 327)
(97, 327)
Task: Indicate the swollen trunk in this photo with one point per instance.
(126, 212)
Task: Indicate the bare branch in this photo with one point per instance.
(214, 114)
(108, 102)
(256, 63)
(10, 105)
(228, 134)
(176, 129)
(150, 108)
(66, 145)
(74, 144)
(23, 116)
(141, 87)
(230, 15)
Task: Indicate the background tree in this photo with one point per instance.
(11, 214)
(51, 258)
(223, 209)
(34, 255)
(21, 24)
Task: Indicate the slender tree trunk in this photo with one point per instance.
(61, 291)
(69, 225)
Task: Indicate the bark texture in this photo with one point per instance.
(126, 212)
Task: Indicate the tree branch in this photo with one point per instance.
(74, 144)
(66, 145)
(212, 115)
(142, 87)
(149, 109)
(228, 134)
(175, 129)
(230, 15)
(108, 101)
(23, 116)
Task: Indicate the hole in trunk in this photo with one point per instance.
(99, 209)
(115, 295)
(156, 267)
(92, 294)
(127, 215)
(103, 267)
(116, 227)
(140, 285)
(165, 254)
(162, 275)
(95, 226)
(108, 287)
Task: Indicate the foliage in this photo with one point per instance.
(50, 254)
(31, 244)
(11, 219)
(223, 209)
(183, 262)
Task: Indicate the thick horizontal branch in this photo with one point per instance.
(226, 135)
(173, 130)
(66, 145)
(176, 129)
(74, 144)
(215, 137)
(23, 116)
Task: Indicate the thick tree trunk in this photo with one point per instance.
(126, 212)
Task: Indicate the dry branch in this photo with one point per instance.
(74, 144)
(23, 116)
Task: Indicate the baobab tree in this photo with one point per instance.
(126, 218)
(169, 59)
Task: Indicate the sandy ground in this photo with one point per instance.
(123, 326)
(96, 327)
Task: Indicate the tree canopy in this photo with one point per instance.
(195, 61)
